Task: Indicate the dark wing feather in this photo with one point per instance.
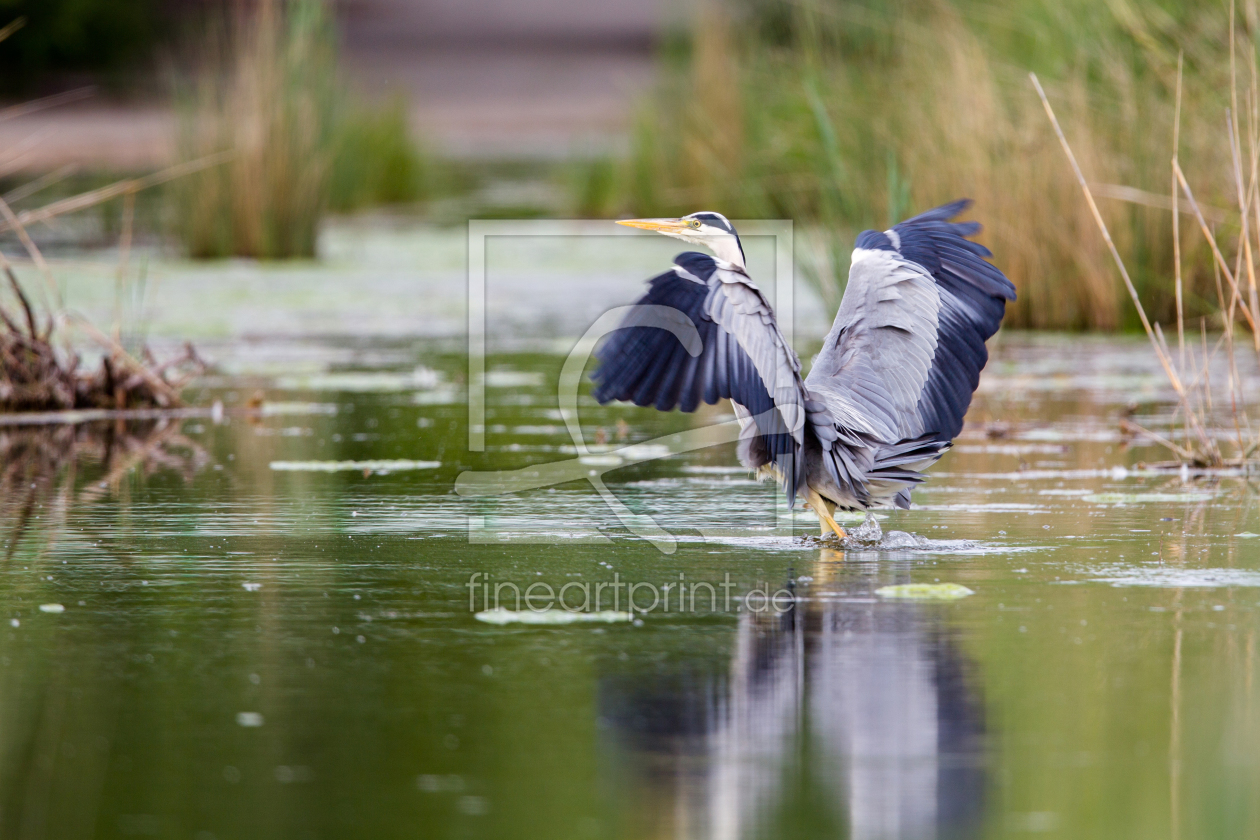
(973, 295)
(741, 356)
(905, 354)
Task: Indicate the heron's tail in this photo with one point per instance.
(898, 467)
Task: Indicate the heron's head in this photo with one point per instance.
(710, 230)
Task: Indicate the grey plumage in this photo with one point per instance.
(885, 395)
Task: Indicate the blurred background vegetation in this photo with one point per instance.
(268, 94)
(838, 114)
(61, 36)
(850, 114)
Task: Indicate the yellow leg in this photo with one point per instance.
(824, 510)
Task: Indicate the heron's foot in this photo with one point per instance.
(830, 526)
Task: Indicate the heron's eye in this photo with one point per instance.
(694, 223)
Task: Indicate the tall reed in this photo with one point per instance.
(269, 95)
(1212, 420)
(375, 159)
(844, 114)
(266, 95)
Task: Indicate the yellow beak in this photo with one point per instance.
(659, 225)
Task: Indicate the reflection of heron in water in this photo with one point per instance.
(842, 711)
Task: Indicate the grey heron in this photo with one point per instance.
(885, 396)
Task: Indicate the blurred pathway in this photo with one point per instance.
(483, 79)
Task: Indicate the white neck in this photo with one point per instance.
(723, 245)
(726, 248)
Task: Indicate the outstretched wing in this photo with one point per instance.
(741, 355)
(973, 293)
(907, 347)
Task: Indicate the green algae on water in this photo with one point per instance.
(397, 465)
(925, 591)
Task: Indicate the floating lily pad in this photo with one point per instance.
(600, 460)
(925, 591)
(609, 455)
(422, 378)
(353, 466)
(514, 378)
(438, 396)
(499, 615)
(287, 409)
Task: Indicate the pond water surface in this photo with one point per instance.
(250, 624)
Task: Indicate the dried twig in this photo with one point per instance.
(17, 291)
(33, 250)
(44, 181)
(34, 375)
(1111, 246)
(164, 393)
(89, 199)
(1161, 351)
(1216, 251)
(12, 26)
(47, 102)
(124, 256)
(1127, 425)
(1133, 195)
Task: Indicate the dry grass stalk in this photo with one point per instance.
(46, 102)
(267, 99)
(11, 27)
(85, 200)
(36, 376)
(1111, 246)
(1211, 240)
(34, 252)
(850, 113)
(1194, 389)
(715, 148)
(1178, 291)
